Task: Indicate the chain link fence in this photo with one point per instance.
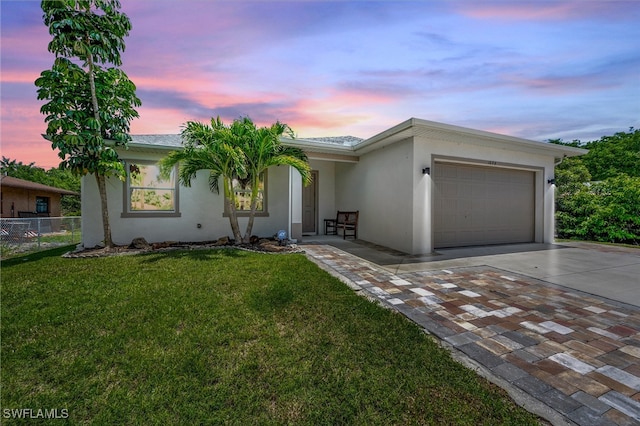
(25, 235)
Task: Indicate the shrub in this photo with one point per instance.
(614, 214)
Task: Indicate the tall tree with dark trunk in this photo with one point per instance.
(90, 107)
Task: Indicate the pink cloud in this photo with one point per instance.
(538, 10)
(307, 124)
(345, 99)
(23, 140)
(338, 113)
(523, 11)
(556, 85)
(28, 76)
(158, 121)
(191, 100)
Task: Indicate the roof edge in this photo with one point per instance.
(12, 182)
(412, 126)
(398, 128)
(499, 136)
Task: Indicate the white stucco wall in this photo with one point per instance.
(428, 151)
(547, 192)
(380, 185)
(387, 185)
(395, 198)
(295, 204)
(422, 203)
(197, 205)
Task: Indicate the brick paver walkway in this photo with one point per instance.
(576, 353)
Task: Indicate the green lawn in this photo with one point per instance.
(209, 337)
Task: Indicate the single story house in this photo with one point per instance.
(23, 198)
(418, 186)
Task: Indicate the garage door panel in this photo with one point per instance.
(476, 174)
(500, 189)
(477, 205)
(446, 171)
(478, 189)
(466, 174)
(450, 189)
(495, 176)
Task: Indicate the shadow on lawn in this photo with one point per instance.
(198, 254)
(204, 254)
(21, 260)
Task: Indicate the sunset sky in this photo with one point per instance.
(534, 69)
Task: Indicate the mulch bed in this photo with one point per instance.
(263, 246)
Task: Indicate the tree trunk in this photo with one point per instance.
(252, 215)
(106, 227)
(100, 178)
(229, 201)
(247, 234)
(233, 220)
(94, 97)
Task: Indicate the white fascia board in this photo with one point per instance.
(425, 128)
(510, 142)
(152, 144)
(396, 133)
(147, 147)
(312, 146)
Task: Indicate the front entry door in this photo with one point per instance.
(309, 205)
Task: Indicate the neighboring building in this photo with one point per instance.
(22, 198)
(418, 186)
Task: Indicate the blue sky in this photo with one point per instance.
(534, 69)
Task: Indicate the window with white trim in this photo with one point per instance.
(148, 193)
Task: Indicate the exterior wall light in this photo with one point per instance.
(551, 181)
(426, 171)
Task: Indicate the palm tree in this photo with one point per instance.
(240, 152)
(262, 149)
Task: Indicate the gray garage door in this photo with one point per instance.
(477, 205)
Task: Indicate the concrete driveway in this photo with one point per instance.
(611, 272)
(606, 271)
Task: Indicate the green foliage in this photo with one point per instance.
(71, 124)
(87, 104)
(598, 194)
(93, 32)
(614, 211)
(29, 172)
(240, 151)
(613, 155)
(576, 143)
(90, 30)
(573, 198)
(59, 178)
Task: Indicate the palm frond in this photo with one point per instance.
(214, 179)
(239, 151)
